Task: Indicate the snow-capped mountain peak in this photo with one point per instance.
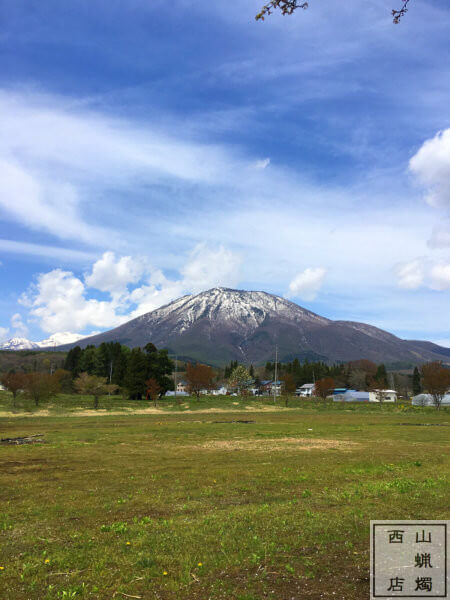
(18, 343)
(56, 339)
(248, 309)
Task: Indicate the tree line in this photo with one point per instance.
(95, 371)
(123, 367)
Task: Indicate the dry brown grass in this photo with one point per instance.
(269, 445)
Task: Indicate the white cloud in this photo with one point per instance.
(57, 301)
(209, 267)
(306, 285)
(111, 275)
(57, 158)
(4, 333)
(410, 275)
(262, 164)
(19, 327)
(44, 205)
(53, 252)
(431, 165)
(432, 274)
(440, 276)
(440, 236)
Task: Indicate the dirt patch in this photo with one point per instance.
(125, 411)
(268, 445)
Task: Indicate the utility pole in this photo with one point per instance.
(276, 374)
(175, 378)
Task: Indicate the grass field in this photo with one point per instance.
(190, 502)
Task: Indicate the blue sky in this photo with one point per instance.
(152, 149)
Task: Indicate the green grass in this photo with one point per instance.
(198, 505)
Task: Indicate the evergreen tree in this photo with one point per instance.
(120, 358)
(102, 361)
(252, 372)
(381, 376)
(416, 382)
(136, 374)
(159, 367)
(269, 368)
(72, 362)
(87, 360)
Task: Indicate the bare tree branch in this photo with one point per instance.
(287, 7)
(398, 14)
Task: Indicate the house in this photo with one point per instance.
(306, 390)
(387, 396)
(182, 386)
(177, 393)
(270, 387)
(338, 392)
(428, 400)
(266, 386)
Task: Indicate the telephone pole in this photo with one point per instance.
(175, 377)
(274, 387)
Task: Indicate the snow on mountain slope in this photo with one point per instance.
(248, 309)
(18, 343)
(57, 339)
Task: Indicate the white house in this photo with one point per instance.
(387, 396)
(306, 390)
(182, 386)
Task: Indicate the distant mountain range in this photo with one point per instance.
(222, 324)
(57, 339)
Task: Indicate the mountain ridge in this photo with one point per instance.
(56, 339)
(223, 324)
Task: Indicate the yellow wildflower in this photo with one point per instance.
(47, 560)
(2, 568)
(128, 543)
(164, 572)
(200, 564)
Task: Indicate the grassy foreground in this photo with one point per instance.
(240, 505)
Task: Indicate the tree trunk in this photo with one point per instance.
(95, 402)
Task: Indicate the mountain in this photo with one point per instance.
(57, 339)
(222, 324)
(18, 343)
